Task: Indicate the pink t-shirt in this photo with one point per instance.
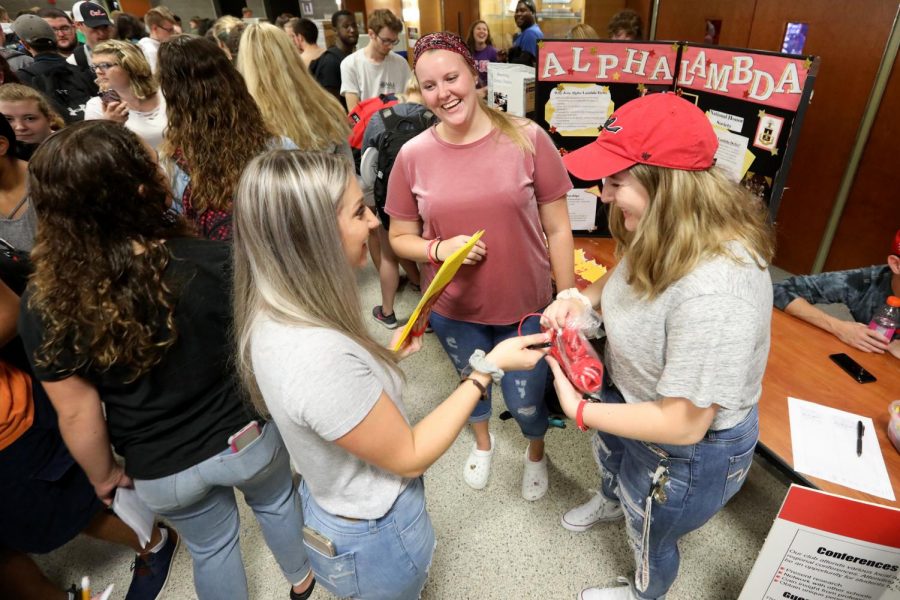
(488, 184)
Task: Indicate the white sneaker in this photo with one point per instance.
(596, 510)
(611, 593)
(535, 479)
(477, 469)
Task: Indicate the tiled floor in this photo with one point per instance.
(493, 544)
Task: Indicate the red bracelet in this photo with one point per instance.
(579, 416)
(428, 251)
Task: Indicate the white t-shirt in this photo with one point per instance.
(150, 48)
(149, 125)
(705, 338)
(368, 79)
(318, 385)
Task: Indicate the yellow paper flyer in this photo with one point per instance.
(418, 321)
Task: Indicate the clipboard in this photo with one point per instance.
(418, 321)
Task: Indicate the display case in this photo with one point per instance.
(555, 18)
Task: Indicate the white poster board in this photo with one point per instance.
(511, 88)
(827, 546)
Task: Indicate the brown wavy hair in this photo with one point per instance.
(99, 255)
(213, 119)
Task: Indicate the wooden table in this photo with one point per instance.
(799, 367)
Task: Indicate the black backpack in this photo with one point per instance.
(66, 87)
(397, 131)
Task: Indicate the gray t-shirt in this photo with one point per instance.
(318, 385)
(706, 338)
(367, 79)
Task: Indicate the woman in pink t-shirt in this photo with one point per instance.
(482, 169)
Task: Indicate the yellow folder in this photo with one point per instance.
(418, 321)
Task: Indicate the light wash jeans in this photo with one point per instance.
(702, 477)
(377, 559)
(522, 390)
(200, 504)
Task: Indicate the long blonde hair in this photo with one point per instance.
(691, 216)
(293, 104)
(289, 262)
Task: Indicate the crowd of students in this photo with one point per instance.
(190, 250)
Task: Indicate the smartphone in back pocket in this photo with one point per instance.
(852, 368)
(316, 540)
(244, 437)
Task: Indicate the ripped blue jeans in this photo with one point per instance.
(694, 482)
(522, 390)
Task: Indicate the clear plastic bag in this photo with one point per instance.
(575, 355)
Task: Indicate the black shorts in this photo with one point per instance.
(45, 497)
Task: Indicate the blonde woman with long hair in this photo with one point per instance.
(306, 357)
(30, 115)
(129, 93)
(687, 313)
(292, 103)
(482, 169)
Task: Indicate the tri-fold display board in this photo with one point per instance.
(755, 101)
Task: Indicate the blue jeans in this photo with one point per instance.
(386, 558)
(200, 503)
(522, 390)
(701, 478)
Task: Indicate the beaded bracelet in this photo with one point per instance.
(574, 294)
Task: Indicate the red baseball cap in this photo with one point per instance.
(663, 130)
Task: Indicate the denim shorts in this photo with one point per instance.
(386, 558)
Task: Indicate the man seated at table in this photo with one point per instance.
(863, 291)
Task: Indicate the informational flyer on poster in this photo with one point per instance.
(732, 155)
(582, 209)
(827, 546)
(578, 109)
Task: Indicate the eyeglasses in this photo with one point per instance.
(103, 67)
(387, 42)
(64, 29)
(167, 29)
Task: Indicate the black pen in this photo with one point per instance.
(860, 430)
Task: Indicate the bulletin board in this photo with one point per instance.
(755, 100)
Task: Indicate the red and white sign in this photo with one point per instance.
(827, 546)
(575, 61)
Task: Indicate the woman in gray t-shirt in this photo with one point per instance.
(687, 313)
(300, 231)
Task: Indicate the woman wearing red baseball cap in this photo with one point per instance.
(687, 313)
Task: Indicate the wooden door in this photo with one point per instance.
(137, 8)
(850, 58)
(458, 15)
(872, 214)
(685, 20)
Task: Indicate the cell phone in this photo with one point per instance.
(244, 437)
(108, 96)
(318, 542)
(852, 368)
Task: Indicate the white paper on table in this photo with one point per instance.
(823, 440)
(137, 515)
(582, 209)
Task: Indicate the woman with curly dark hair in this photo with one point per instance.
(215, 128)
(127, 309)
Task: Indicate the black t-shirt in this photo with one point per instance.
(182, 411)
(328, 72)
